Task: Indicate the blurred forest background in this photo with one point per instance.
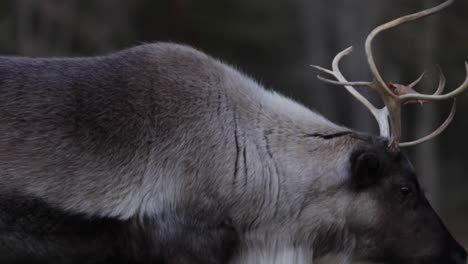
(275, 42)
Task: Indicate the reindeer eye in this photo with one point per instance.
(405, 191)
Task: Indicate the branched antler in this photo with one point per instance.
(394, 95)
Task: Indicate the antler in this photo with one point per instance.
(394, 95)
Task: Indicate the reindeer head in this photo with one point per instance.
(402, 228)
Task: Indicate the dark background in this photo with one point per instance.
(275, 42)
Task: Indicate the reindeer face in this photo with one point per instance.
(397, 223)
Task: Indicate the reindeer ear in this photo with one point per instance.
(366, 168)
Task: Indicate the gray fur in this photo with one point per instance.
(125, 134)
(163, 129)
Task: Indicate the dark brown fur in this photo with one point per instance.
(32, 232)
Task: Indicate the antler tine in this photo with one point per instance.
(343, 83)
(436, 132)
(342, 80)
(415, 82)
(339, 76)
(389, 25)
(436, 96)
(441, 87)
(381, 115)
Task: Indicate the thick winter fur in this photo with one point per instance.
(143, 130)
(163, 131)
(159, 129)
(33, 232)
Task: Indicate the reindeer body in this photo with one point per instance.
(127, 134)
(160, 129)
(203, 158)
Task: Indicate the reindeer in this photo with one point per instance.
(209, 167)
